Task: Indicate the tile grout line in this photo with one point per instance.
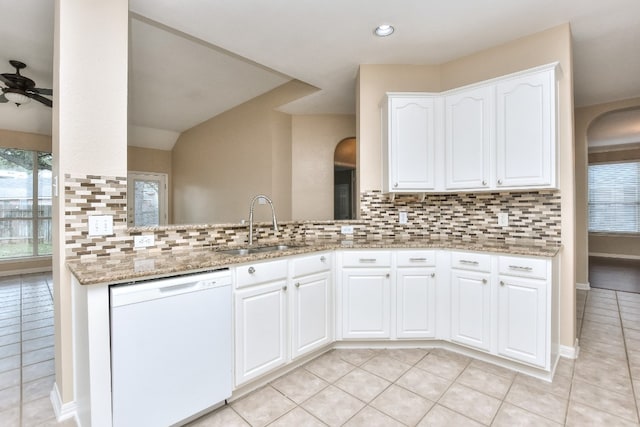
(20, 415)
(626, 352)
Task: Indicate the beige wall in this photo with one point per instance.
(314, 141)
(151, 160)
(584, 116)
(89, 137)
(538, 49)
(219, 165)
(25, 140)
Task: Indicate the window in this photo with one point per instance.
(25, 203)
(614, 197)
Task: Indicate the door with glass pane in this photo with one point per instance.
(146, 199)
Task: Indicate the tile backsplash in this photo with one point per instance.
(533, 215)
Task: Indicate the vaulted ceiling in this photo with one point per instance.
(192, 62)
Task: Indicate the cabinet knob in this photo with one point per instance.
(284, 288)
(484, 281)
(499, 182)
(323, 259)
(387, 275)
(251, 270)
(501, 283)
(395, 185)
(433, 274)
(484, 182)
(297, 285)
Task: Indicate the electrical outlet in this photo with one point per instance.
(403, 219)
(144, 241)
(503, 219)
(100, 225)
(346, 229)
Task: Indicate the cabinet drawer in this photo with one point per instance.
(366, 259)
(416, 258)
(524, 267)
(471, 261)
(312, 264)
(253, 274)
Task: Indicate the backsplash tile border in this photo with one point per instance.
(533, 216)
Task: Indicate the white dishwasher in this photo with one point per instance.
(171, 354)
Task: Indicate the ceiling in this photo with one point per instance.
(192, 62)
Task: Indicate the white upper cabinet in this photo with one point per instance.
(493, 135)
(526, 130)
(469, 118)
(410, 139)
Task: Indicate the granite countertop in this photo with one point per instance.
(145, 265)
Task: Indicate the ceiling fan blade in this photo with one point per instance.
(3, 99)
(5, 80)
(43, 91)
(40, 98)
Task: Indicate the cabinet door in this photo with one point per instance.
(526, 131)
(416, 292)
(366, 303)
(260, 329)
(312, 314)
(412, 144)
(522, 320)
(471, 308)
(469, 118)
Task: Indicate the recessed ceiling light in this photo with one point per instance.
(384, 30)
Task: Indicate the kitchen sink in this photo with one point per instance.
(258, 249)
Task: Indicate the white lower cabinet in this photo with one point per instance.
(522, 320)
(312, 304)
(260, 329)
(471, 308)
(415, 303)
(366, 303)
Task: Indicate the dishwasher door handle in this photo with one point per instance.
(178, 288)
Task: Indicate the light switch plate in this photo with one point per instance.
(144, 241)
(100, 225)
(346, 229)
(403, 218)
(503, 219)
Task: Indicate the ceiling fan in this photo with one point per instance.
(20, 89)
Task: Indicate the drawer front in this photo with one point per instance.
(260, 272)
(523, 267)
(471, 261)
(366, 259)
(416, 258)
(311, 264)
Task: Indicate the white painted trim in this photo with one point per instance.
(25, 271)
(583, 286)
(63, 411)
(620, 256)
(570, 352)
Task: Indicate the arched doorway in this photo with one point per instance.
(344, 179)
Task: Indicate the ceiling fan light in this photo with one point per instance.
(16, 97)
(384, 30)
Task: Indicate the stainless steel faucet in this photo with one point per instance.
(273, 215)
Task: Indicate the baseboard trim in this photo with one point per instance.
(583, 286)
(619, 256)
(25, 271)
(569, 352)
(63, 411)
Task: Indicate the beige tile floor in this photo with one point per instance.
(440, 388)
(367, 387)
(26, 351)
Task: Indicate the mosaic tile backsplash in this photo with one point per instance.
(533, 215)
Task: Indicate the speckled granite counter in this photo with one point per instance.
(148, 265)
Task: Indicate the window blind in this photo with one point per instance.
(614, 197)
